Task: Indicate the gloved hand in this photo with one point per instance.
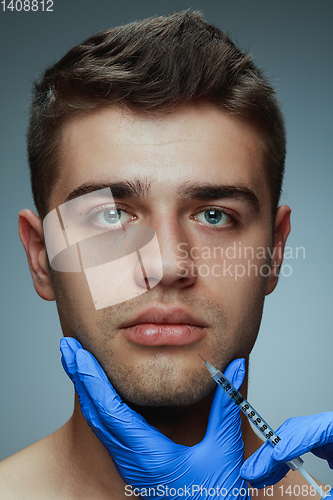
(298, 435)
(143, 456)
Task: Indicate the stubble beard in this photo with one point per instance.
(161, 380)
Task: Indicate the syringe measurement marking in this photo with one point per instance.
(265, 429)
(249, 411)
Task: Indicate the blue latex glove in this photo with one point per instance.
(298, 436)
(143, 456)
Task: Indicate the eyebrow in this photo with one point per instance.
(209, 192)
(121, 190)
(187, 191)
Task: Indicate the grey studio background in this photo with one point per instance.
(291, 365)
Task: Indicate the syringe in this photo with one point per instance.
(259, 422)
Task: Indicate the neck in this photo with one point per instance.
(184, 425)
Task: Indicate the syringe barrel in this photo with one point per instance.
(259, 422)
(246, 408)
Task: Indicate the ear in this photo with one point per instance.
(281, 232)
(32, 237)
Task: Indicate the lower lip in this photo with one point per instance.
(152, 334)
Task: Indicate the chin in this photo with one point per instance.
(165, 393)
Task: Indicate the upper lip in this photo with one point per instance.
(173, 315)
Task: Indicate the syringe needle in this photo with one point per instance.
(201, 357)
(258, 421)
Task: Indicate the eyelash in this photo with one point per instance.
(102, 208)
(226, 227)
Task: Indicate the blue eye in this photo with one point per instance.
(214, 217)
(111, 216)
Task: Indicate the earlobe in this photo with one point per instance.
(281, 232)
(32, 237)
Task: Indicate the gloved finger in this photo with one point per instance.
(123, 424)
(269, 479)
(298, 436)
(223, 407)
(325, 452)
(302, 434)
(261, 469)
(68, 348)
(235, 372)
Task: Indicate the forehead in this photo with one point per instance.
(196, 144)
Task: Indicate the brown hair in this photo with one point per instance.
(151, 66)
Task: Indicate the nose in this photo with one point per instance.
(165, 261)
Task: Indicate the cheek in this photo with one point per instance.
(74, 301)
(233, 262)
(235, 276)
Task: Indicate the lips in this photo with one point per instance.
(159, 326)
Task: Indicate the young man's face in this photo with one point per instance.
(205, 193)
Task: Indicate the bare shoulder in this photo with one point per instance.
(30, 473)
(66, 465)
